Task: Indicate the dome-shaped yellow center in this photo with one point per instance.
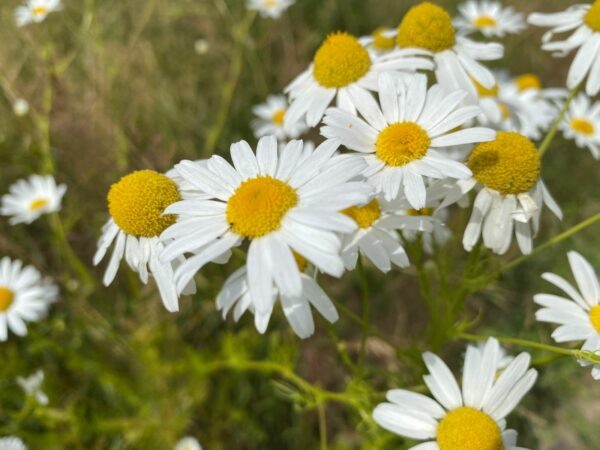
(258, 206)
(381, 41)
(528, 81)
(278, 116)
(427, 26)
(484, 22)
(39, 10)
(365, 215)
(38, 203)
(469, 429)
(401, 143)
(6, 298)
(137, 201)
(582, 126)
(483, 91)
(592, 17)
(341, 60)
(595, 317)
(510, 164)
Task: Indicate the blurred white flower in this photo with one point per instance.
(582, 123)
(20, 107)
(12, 443)
(270, 8)
(35, 11)
(32, 385)
(270, 117)
(488, 17)
(188, 443)
(201, 46)
(28, 199)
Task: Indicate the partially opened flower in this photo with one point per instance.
(269, 121)
(32, 385)
(471, 418)
(489, 18)
(188, 443)
(12, 443)
(28, 199)
(344, 70)
(582, 123)
(270, 8)
(585, 20)
(24, 297)
(35, 11)
(578, 314)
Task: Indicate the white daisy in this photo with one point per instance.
(473, 418)
(436, 235)
(12, 443)
(29, 199)
(511, 196)
(428, 26)
(279, 202)
(488, 17)
(236, 294)
(270, 8)
(20, 107)
(35, 11)
(136, 204)
(270, 117)
(582, 123)
(344, 70)
(397, 137)
(382, 40)
(188, 443)
(32, 385)
(578, 314)
(585, 20)
(24, 296)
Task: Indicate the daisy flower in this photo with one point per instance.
(136, 204)
(585, 20)
(24, 296)
(397, 137)
(35, 11)
(346, 71)
(32, 385)
(382, 40)
(489, 18)
(578, 314)
(377, 236)
(270, 8)
(29, 199)
(428, 26)
(436, 235)
(582, 123)
(12, 443)
(236, 295)
(188, 443)
(279, 202)
(270, 117)
(471, 418)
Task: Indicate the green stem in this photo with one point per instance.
(561, 115)
(322, 425)
(366, 302)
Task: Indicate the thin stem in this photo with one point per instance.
(322, 425)
(364, 285)
(561, 115)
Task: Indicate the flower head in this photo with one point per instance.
(28, 199)
(35, 11)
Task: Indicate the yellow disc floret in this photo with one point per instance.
(582, 126)
(39, 10)
(595, 317)
(592, 17)
(483, 91)
(6, 298)
(401, 143)
(381, 41)
(278, 116)
(38, 203)
(258, 206)
(528, 81)
(469, 429)
(136, 203)
(510, 164)
(484, 22)
(427, 26)
(365, 215)
(341, 60)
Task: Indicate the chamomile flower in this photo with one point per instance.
(12, 443)
(29, 199)
(188, 443)
(398, 137)
(488, 17)
(346, 71)
(471, 418)
(270, 117)
(377, 236)
(585, 20)
(279, 202)
(24, 297)
(32, 385)
(297, 309)
(578, 314)
(438, 234)
(428, 26)
(582, 123)
(382, 40)
(136, 204)
(270, 8)
(35, 11)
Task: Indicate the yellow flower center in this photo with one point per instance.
(466, 428)
(504, 110)
(39, 10)
(401, 143)
(278, 116)
(419, 212)
(594, 317)
(136, 203)
(484, 22)
(592, 17)
(510, 164)
(427, 26)
(340, 61)
(301, 261)
(258, 206)
(365, 215)
(270, 3)
(582, 126)
(6, 298)
(381, 41)
(528, 81)
(38, 204)
(483, 91)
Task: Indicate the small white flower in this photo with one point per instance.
(35, 11)
(29, 199)
(20, 107)
(489, 18)
(201, 46)
(270, 8)
(270, 117)
(188, 443)
(582, 123)
(382, 40)
(32, 385)
(12, 443)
